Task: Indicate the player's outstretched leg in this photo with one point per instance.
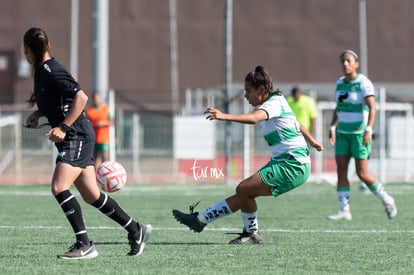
(197, 221)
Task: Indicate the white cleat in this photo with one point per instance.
(341, 215)
(390, 208)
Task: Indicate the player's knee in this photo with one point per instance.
(364, 176)
(242, 190)
(56, 189)
(90, 198)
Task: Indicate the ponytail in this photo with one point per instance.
(37, 41)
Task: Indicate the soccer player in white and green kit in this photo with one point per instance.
(288, 168)
(351, 133)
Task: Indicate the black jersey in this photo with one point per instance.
(54, 91)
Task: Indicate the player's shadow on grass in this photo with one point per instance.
(95, 243)
(182, 243)
(111, 243)
(158, 243)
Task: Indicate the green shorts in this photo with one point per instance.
(284, 176)
(101, 147)
(352, 145)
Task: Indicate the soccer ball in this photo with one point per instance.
(111, 176)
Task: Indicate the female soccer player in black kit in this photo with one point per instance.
(60, 99)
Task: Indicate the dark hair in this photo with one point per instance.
(260, 77)
(295, 90)
(351, 52)
(37, 41)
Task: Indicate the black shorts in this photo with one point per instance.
(77, 147)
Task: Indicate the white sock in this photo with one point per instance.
(379, 191)
(343, 200)
(250, 221)
(218, 210)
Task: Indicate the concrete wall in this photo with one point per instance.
(298, 41)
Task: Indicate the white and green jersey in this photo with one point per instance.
(350, 104)
(282, 131)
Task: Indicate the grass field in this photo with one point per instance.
(298, 239)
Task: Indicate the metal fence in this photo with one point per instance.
(145, 145)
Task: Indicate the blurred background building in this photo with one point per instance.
(298, 41)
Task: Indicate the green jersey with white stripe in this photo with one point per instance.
(282, 131)
(351, 109)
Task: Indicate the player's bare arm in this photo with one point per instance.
(370, 101)
(332, 134)
(250, 118)
(312, 142)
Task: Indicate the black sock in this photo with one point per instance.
(110, 208)
(73, 213)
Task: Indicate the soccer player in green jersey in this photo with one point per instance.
(351, 133)
(288, 168)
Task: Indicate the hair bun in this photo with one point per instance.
(259, 69)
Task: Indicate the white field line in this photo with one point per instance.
(222, 229)
(210, 189)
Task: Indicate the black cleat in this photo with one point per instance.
(138, 240)
(189, 220)
(247, 238)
